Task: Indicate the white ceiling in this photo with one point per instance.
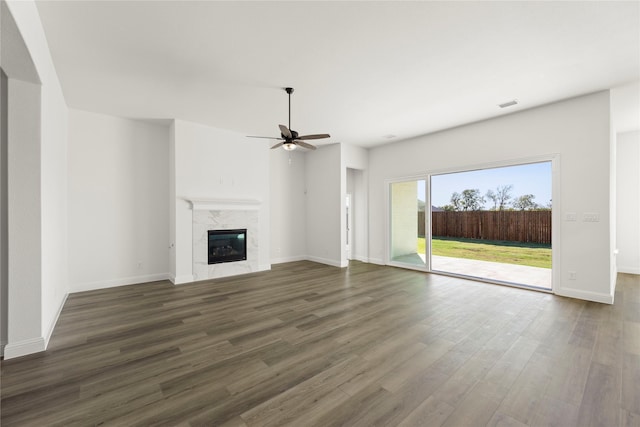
(361, 70)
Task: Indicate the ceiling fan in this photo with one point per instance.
(289, 139)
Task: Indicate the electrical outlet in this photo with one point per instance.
(571, 216)
(572, 275)
(590, 217)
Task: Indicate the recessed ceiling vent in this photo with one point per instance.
(508, 104)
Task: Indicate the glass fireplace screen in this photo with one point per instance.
(227, 245)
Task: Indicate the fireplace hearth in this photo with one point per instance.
(226, 245)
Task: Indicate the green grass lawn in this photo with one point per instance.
(533, 255)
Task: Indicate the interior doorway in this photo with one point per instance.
(349, 223)
(354, 221)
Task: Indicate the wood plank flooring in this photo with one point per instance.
(311, 345)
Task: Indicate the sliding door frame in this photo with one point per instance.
(556, 216)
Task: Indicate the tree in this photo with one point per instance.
(525, 202)
(501, 197)
(456, 202)
(472, 200)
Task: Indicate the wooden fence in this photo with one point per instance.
(516, 226)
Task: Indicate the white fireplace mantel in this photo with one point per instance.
(224, 204)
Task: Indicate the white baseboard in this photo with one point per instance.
(103, 284)
(629, 270)
(361, 258)
(55, 320)
(585, 295)
(179, 280)
(264, 267)
(22, 348)
(282, 260)
(376, 261)
(326, 261)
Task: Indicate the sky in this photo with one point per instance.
(534, 178)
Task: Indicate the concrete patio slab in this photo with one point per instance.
(511, 273)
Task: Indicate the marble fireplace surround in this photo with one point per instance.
(225, 214)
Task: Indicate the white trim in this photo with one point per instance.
(361, 258)
(497, 164)
(22, 348)
(629, 270)
(124, 281)
(264, 267)
(556, 222)
(327, 261)
(585, 295)
(222, 204)
(179, 280)
(295, 258)
(408, 266)
(47, 337)
(377, 261)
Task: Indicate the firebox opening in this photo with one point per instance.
(227, 245)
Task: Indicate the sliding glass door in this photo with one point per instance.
(494, 224)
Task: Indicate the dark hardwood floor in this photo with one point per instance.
(311, 345)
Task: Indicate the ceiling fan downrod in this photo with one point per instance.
(289, 91)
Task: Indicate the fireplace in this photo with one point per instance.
(227, 245)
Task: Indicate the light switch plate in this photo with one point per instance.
(571, 216)
(590, 217)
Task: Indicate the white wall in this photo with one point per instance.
(24, 213)
(628, 202)
(211, 163)
(55, 272)
(118, 201)
(288, 206)
(578, 130)
(172, 201)
(52, 281)
(4, 225)
(325, 205)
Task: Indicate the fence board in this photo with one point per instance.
(516, 226)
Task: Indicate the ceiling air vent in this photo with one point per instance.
(508, 104)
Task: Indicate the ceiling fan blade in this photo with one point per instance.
(305, 145)
(285, 131)
(279, 144)
(317, 136)
(264, 137)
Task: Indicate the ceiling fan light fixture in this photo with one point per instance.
(289, 146)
